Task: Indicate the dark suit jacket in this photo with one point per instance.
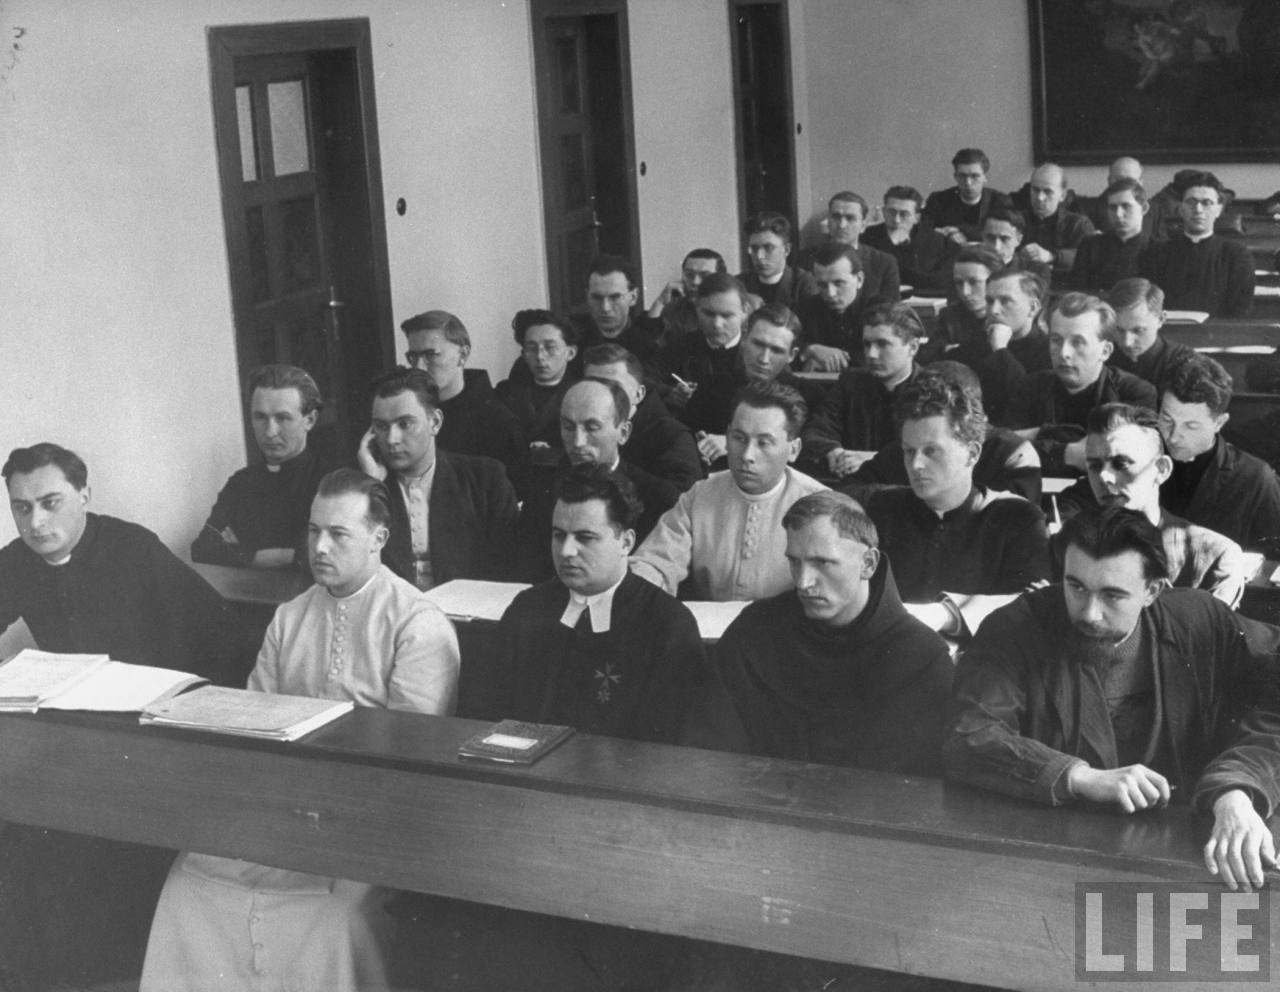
(1238, 496)
(1023, 708)
(472, 521)
(924, 259)
(944, 208)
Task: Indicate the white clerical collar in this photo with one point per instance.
(353, 595)
(599, 604)
(761, 497)
(1195, 239)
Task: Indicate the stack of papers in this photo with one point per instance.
(263, 715)
(32, 680)
(473, 599)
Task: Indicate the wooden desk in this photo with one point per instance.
(912, 875)
(1220, 333)
(253, 586)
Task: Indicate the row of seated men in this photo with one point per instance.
(1173, 691)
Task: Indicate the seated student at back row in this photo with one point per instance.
(1117, 253)
(260, 517)
(473, 420)
(1114, 690)
(1198, 269)
(924, 256)
(548, 345)
(86, 583)
(360, 633)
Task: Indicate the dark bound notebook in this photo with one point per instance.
(514, 742)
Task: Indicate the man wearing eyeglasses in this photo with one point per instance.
(476, 422)
(1197, 269)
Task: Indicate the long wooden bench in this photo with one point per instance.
(912, 875)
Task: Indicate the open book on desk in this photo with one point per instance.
(33, 680)
(244, 713)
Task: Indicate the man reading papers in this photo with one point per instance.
(361, 633)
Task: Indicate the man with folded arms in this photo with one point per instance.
(724, 535)
(1125, 465)
(923, 255)
(958, 550)
(90, 583)
(1051, 408)
(260, 517)
(958, 213)
(360, 633)
(1114, 690)
(1053, 232)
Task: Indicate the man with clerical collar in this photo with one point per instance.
(833, 319)
(548, 344)
(1197, 269)
(1117, 253)
(957, 549)
(724, 534)
(723, 307)
(1140, 347)
(475, 421)
(856, 417)
(86, 583)
(769, 275)
(958, 213)
(923, 255)
(659, 443)
(1051, 408)
(1126, 464)
(1112, 689)
(835, 670)
(596, 647)
(452, 516)
(847, 216)
(1214, 483)
(260, 517)
(360, 633)
(594, 425)
(1053, 233)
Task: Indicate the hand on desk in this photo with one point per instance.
(1132, 788)
(1241, 845)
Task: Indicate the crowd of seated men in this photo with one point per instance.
(794, 437)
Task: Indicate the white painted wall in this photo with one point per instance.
(681, 78)
(895, 87)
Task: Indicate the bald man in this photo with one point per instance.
(1053, 233)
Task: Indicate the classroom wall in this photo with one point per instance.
(896, 86)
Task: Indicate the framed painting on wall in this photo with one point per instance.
(1164, 80)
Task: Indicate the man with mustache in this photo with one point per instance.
(1112, 689)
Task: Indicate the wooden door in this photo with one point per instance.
(306, 244)
(585, 135)
(764, 113)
